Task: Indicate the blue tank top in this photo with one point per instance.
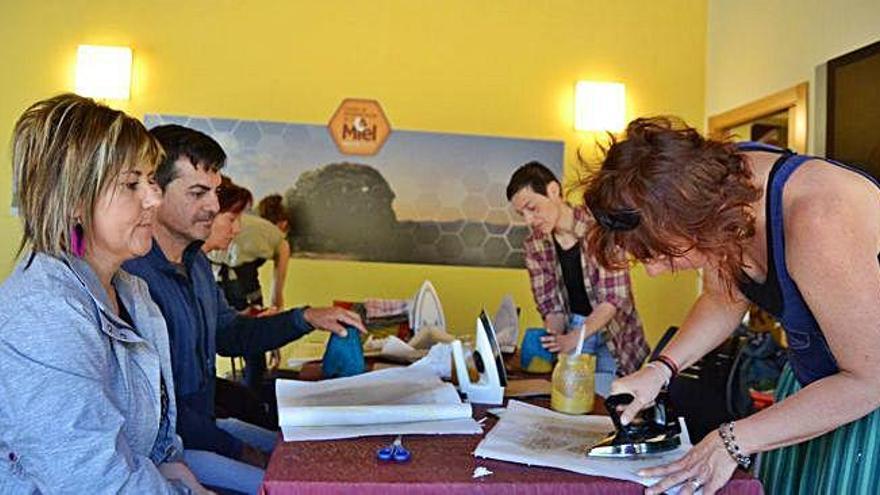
(810, 357)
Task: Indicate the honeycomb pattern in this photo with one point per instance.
(474, 234)
(469, 223)
(496, 250)
(427, 233)
(474, 207)
(450, 246)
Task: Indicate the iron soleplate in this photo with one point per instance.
(608, 448)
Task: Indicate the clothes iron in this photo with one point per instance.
(653, 431)
(489, 388)
(426, 310)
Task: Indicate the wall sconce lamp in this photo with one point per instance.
(103, 71)
(599, 106)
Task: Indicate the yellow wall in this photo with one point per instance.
(756, 48)
(480, 67)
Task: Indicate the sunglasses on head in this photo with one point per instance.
(617, 220)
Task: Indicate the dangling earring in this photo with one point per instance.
(77, 240)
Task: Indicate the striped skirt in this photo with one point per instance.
(844, 461)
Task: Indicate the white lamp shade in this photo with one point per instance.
(599, 106)
(103, 71)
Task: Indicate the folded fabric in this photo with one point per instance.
(386, 321)
(344, 356)
(380, 308)
(380, 327)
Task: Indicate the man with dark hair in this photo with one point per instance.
(225, 453)
(572, 290)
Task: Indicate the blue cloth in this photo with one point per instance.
(810, 357)
(533, 349)
(344, 356)
(200, 325)
(81, 387)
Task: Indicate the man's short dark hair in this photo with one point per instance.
(532, 174)
(179, 141)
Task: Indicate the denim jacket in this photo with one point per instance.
(81, 408)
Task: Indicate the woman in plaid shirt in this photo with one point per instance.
(570, 288)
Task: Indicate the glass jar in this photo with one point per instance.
(573, 389)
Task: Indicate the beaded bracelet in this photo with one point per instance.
(729, 439)
(669, 363)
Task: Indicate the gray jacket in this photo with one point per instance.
(80, 388)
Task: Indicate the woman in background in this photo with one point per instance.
(232, 399)
(797, 235)
(261, 238)
(233, 200)
(85, 370)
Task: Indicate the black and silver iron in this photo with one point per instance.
(653, 431)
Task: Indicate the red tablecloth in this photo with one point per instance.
(441, 465)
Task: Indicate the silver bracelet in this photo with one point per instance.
(725, 431)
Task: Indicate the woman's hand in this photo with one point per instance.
(643, 385)
(555, 323)
(559, 342)
(275, 354)
(274, 359)
(708, 466)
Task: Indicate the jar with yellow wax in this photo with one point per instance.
(573, 388)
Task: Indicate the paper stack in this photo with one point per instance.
(396, 401)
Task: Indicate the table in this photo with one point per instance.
(441, 465)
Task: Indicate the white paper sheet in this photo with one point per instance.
(438, 360)
(532, 435)
(391, 401)
(449, 427)
(371, 415)
(397, 350)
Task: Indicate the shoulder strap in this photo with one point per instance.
(756, 146)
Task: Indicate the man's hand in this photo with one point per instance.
(254, 457)
(334, 320)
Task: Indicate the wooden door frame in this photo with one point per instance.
(793, 99)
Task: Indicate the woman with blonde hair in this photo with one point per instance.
(85, 372)
(795, 234)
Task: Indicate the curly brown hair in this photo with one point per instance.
(663, 190)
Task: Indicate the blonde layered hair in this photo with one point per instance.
(66, 151)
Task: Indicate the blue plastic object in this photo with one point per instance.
(533, 357)
(395, 452)
(344, 356)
